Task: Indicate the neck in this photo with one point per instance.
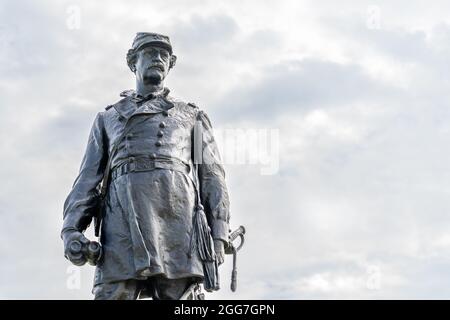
(146, 89)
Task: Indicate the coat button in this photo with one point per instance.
(158, 143)
(165, 113)
(160, 133)
(162, 125)
(153, 156)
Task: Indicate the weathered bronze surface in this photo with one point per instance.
(163, 217)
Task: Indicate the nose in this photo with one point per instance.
(157, 57)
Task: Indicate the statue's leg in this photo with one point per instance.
(169, 289)
(121, 290)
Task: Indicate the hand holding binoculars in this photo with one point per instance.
(92, 251)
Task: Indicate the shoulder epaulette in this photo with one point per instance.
(124, 94)
(127, 93)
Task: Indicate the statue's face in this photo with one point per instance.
(152, 65)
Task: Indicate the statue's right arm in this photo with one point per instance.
(80, 205)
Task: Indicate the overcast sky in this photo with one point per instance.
(353, 99)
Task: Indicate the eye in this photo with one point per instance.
(164, 54)
(149, 52)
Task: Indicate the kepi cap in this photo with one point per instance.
(149, 38)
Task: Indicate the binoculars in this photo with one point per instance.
(92, 251)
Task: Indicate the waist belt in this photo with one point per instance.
(147, 164)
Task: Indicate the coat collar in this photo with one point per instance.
(139, 98)
(133, 104)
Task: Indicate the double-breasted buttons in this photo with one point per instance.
(160, 133)
(153, 156)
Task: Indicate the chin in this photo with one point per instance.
(153, 79)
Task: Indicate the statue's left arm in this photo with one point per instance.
(213, 189)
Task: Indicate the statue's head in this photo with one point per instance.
(151, 57)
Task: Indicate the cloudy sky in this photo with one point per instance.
(345, 193)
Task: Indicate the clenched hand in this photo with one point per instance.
(219, 248)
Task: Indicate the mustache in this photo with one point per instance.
(157, 66)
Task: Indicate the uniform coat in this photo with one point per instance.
(147, 223)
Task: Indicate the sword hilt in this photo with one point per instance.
(231, 249)
(239, 232)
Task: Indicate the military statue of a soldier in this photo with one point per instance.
(154, 187)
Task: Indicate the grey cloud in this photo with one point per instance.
(295, 86)
(199, 33)
(375, 195)
(399, 43)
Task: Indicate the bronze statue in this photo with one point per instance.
(160, 208)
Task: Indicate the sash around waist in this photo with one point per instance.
(139, 164)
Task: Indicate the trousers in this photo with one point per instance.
(157, 287)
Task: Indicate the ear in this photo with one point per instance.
(173, 60)
(131, 60)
